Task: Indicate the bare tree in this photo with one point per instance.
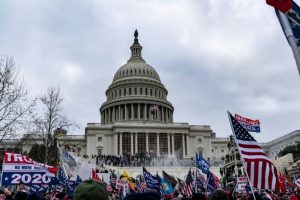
(51, 117)
(15, 108)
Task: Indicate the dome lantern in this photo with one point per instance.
(136, 49)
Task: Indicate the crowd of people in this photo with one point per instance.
(94, 190)
(138, 160)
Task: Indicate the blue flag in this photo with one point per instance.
(166, 187)
(64, 181)
(62, 177)
(212, 183)
(294, 19)
(153, 182)
(71, 188)
(38, 188)
(78, 180)
(202, 164)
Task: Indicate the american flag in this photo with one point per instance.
(200, 178)
(189, 184)
(289, 179)
(181, 186)
(261, 171)
(142, 186)
(297, 182)
(153, 108)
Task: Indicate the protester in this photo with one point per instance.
(90, 190)
(143, 196)
(219, 195)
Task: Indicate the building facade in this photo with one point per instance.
(273, 147)
(138, 118)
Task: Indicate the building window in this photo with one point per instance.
(141, 91)
(199, 140)
(151, 92)
(155, 93)
(212, 150)
(124, 93)
(99, 139)
(146, 91)
(135, 91)
(129, 91)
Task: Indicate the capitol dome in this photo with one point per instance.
(136, 93)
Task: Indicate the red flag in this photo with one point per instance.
(282, 185)
(282, 5)
(95, 176)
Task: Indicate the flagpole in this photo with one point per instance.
(251, 185)
(196, 180)
(290, 37)
(207, 182)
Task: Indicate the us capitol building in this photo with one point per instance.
(138, 118)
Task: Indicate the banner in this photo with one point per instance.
(248, 124)
(153, 182)
(241, 184)
(202, 164)
(21, 169)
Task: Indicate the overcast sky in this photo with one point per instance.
(211, 55)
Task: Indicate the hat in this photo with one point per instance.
(143, 196)
(90, 189)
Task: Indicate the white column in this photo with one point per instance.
(115, 143)
(136, 142)
(183, 146)
(139, 111)
(145, 111)
(121, 144)
(157, 141)
(159, 113)
(173, 153)
(119, 113)
(109, 116)
(166, 116)
(113, 114)
(131, 143)
(169, 148)
(132, 114)
(147, 142)
(126, 114)
(188, 145)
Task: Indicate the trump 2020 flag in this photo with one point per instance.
(18, 169)
(248, 124)
(153, 182)
(202, 164)
(261, 171)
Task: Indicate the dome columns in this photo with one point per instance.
(136, 112)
